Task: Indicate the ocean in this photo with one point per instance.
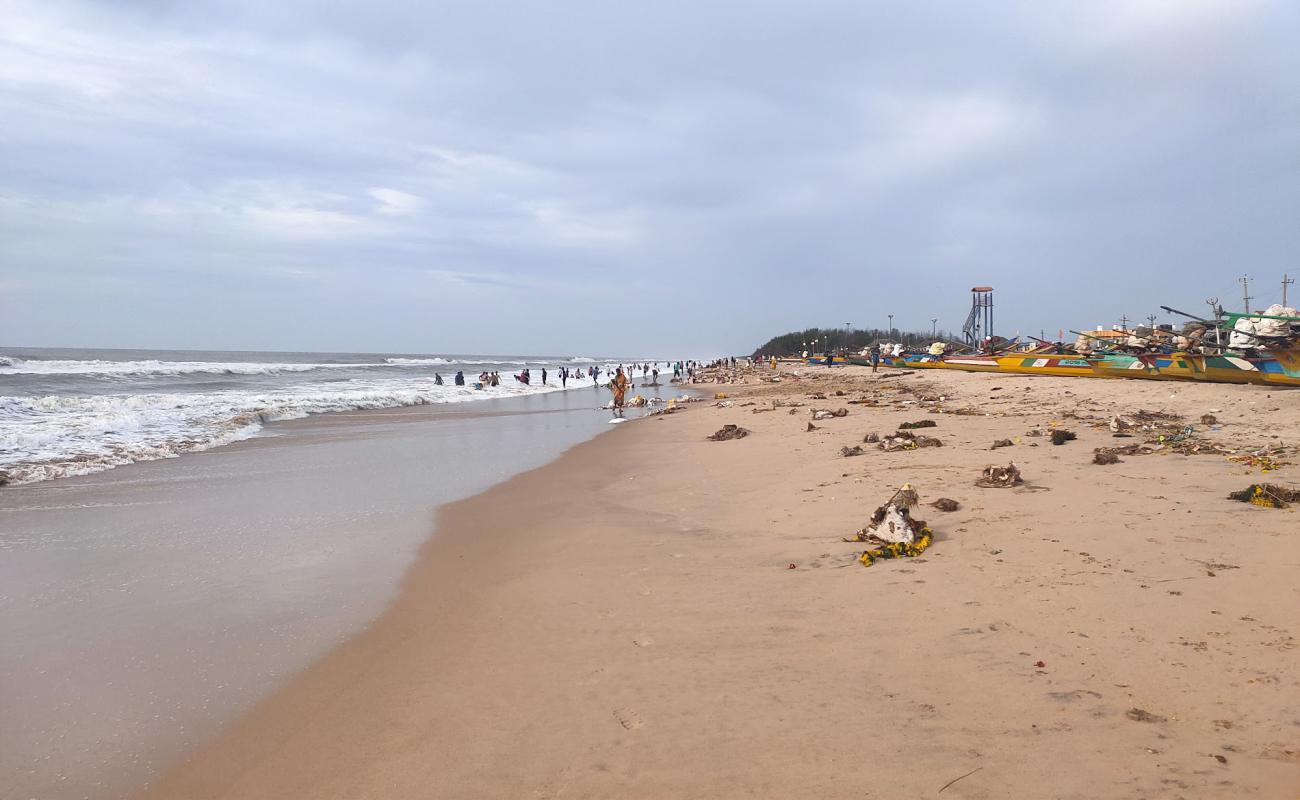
(77, 411)
(183, 532)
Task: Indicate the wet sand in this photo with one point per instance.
(145, 606)
(1101, 632)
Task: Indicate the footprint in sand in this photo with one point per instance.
(628, 718)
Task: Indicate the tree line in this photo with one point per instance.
(838, 339)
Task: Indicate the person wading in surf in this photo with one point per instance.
(618, 385)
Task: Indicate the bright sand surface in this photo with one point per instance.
(638, 632)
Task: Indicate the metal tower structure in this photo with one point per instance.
(979, 322)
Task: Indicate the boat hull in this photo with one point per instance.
(1119, 365)
(1280, 367)
(1063, 366)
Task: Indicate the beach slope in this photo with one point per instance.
(660, 615)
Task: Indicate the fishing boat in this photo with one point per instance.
(1061, 365)
(1280, 366)
(971, 363)
(1123, 365)
(916, 361)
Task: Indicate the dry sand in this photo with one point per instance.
(624, 623)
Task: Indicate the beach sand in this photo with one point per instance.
(624, 621)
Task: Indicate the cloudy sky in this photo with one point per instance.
(609, 177)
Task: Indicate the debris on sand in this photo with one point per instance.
(1126, 450)
(892, 526)
(995, 477)
(1147, 421)
(812, 427)
(924, 423)
(822, 413)
(1209, 419)
(871, 438)
(1142, 715)
(946, 504)
(900, 535)
(1267, 495)
(1034, 432)
(855, 450)
(1102, 457)
(1062, 436)
(729, 432)
(1002, 443)
(1267, 459)
(906, 440)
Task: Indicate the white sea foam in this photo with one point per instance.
(17, 366)
(416, 362)
(43, 437)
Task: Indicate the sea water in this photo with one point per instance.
(154, 585)
(74, 412)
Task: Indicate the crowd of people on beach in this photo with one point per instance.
(618, 380)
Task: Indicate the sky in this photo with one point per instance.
(633, 178)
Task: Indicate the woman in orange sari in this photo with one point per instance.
(618, 385)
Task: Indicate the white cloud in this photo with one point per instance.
(396, 203)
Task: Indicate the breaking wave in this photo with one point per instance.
(15, 366)
(417, 362)
(45, 437)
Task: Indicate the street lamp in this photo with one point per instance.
(890, 332)
(846, 336)
(934, 327)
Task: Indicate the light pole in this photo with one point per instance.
(890, 333)
(934, 327)
(846, 336)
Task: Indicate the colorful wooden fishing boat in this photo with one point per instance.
(1069, 366)
(1276, 372)
(971, 363)
(1280, 366)
(915, 361)
(1209, 368)
(836, 361)
(1123, 365)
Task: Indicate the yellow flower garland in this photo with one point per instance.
(898, 549)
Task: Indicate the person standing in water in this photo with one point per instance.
(618, 385)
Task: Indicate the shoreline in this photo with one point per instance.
(149, 605)
(621, 621)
